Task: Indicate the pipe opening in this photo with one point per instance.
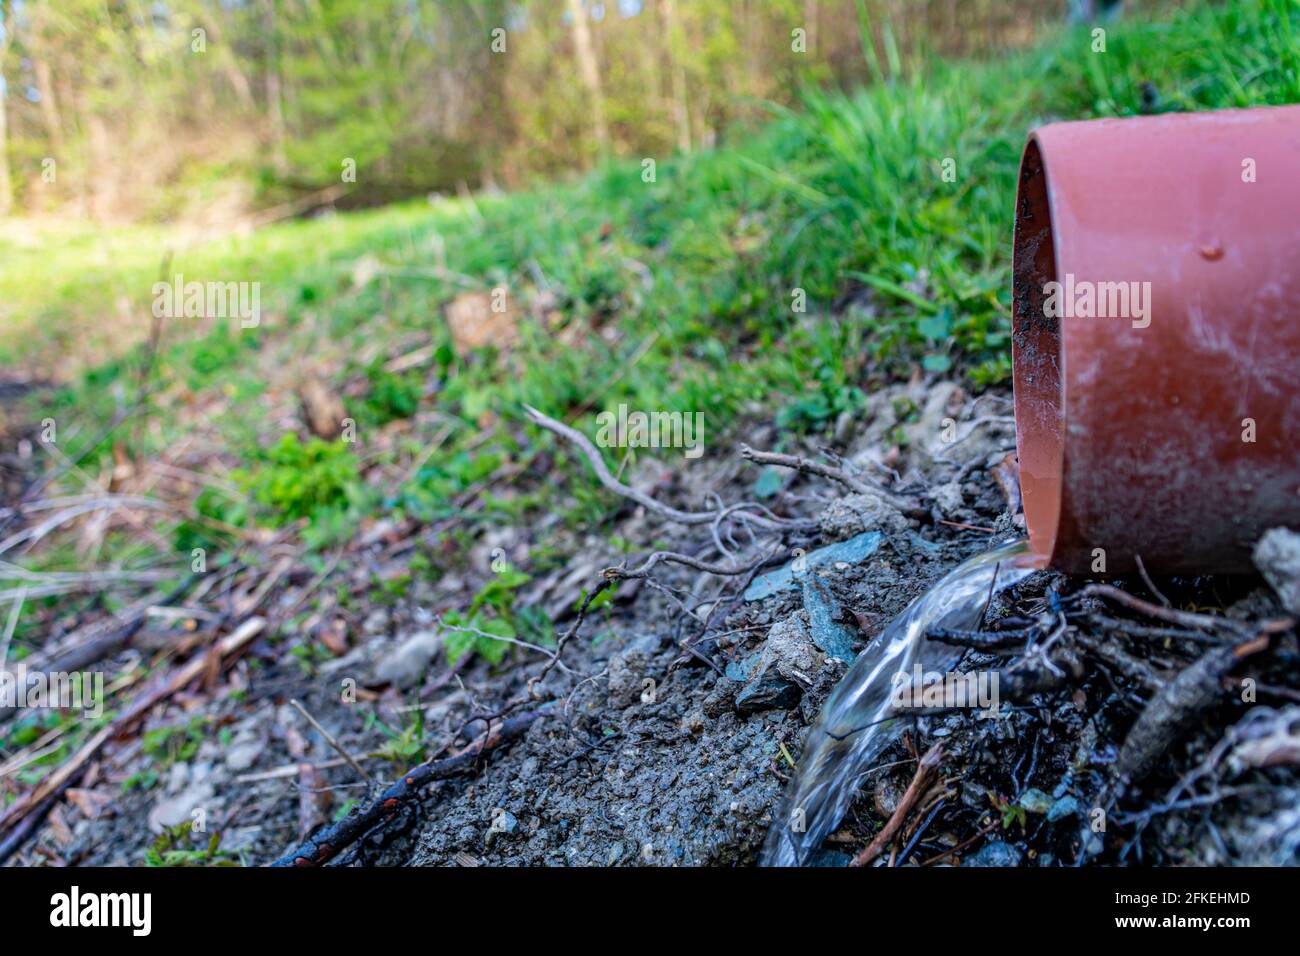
(1036, 358)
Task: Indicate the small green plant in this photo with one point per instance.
(468, 633)
(175, 744)
(491, 612)
(302, 480)
(167, 850)
(406, 746)
(391, 396)
(819, 409)
(603, 605)
(141, 780)
(310, 655)
(1011, 812)
(386, 592)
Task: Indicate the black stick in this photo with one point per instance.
(328, 843)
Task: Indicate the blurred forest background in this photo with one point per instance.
(206, 110)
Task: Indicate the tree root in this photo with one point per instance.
(597, 463)
(907, 506)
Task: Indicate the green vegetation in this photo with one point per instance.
(297, 480)
(168, 850)
(403, 747)
(492, 612)
(176, 743)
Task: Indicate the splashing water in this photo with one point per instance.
(853, 727)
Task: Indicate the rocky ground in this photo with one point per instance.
(668, 726)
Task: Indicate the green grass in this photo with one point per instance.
(671, 294)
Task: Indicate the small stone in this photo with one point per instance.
(823, 610)
(790, 649)
(743, 669)
(243, 754)
(628, 670)
(721, 699)
(178, 776)
(767, 691)
(503, 822)
(886, 797)
(1277, 555)
(858, 514)
(172, 811)
(995, 853)
(405, 666)
(943, 402)
(1035, 801)
(949, 498)
(235, 839)
(1067, 806)
(854, 551)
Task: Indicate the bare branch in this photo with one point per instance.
(862, 486)
(597, 463)
(622, 572)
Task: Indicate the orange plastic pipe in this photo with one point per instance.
(1156, 347)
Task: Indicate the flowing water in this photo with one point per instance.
(854, 727)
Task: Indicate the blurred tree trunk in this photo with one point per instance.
(49, 104)
(103, 192)
(6, 187)
(229, 60)
(35, 44)
(274, 90)
(677, 74)
(590, 72)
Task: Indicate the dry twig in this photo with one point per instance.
(333, 742)
(15, 813)
(862, 486)
(598, 465)
(925, 772)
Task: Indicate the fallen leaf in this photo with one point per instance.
(334, 636)
(482, 318)
(93, 804)
(322, 408)
(59, 828)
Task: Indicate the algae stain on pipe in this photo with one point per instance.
(855, 725)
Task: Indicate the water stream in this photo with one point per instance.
(854, 726)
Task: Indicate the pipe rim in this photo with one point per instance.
(1037, 355)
